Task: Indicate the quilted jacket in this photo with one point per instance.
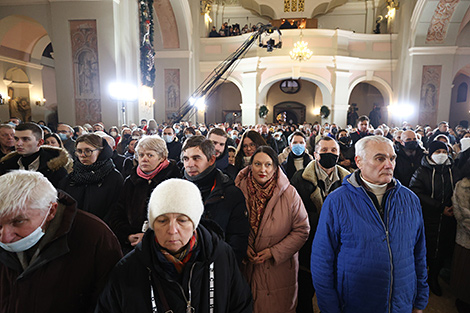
(363, 263)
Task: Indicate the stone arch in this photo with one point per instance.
(379, 83)
(16, 75)
(325, 87)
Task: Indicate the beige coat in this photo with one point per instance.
(284, 228)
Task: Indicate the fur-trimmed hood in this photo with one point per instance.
(56, 157)
(461, 202)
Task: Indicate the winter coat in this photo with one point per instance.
(361, 263)
(406, 165)
(130, 211)
(225, 204)
(222, 164)
(288, 165)
(118, 161)
(70, 271)
(357, 135)
(96, 198)
(461, 201)
(306, 183)
(284, 229)
(434, 185)
(128, 289)
(174, 150)
(52, 163)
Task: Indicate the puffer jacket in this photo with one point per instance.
(361, 263)
(434, 185)
(128, 289)
(284, 229)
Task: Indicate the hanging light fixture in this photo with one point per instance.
(301, 52)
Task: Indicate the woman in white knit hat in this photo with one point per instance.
(181, 264)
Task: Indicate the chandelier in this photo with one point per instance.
(301, 52)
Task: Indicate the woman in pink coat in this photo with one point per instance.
(279, 228)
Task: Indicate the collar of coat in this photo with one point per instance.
(56, 158)
(310, 174)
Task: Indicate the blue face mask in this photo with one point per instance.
(62, 136)
(298, 149)
(27, 242)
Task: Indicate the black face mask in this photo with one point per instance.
(127, 136)
(411, 145)
(328, 160)
(345, 140)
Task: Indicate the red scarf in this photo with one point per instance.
(151, 175)
(258, 199)
(180, 259)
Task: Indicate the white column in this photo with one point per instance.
(249, 98)
(341, 97)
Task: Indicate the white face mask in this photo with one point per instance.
(114, 134)
(440, 158)
(168, 138)
(27, 242)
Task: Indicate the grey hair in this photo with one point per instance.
(154, 143)
(363, 143)
(21, 190)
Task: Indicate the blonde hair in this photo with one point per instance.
(154, 143)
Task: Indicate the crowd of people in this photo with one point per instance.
(232, 218)
(227, 30)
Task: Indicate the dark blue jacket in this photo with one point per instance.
(361, 263)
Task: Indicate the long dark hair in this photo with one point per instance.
(257, 139)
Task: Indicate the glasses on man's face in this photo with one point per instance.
(87, 152)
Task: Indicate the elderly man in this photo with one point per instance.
(319, 178)
(224, 203)
(65, 133)
(369, 252)
(53, 257)
(409, 155)
(7, 139)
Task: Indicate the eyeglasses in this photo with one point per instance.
(86, 152)
(250, 145)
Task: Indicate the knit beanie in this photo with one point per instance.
(436, 145)
(465, 143)
(176, 196)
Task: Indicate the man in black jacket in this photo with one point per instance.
(172, 144)
(219, 137)
(29, 155)
(362, 129)
(409, 155)
(224, 203)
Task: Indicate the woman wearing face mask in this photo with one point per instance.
(114, 132)
(250, 141)
(279, 228)
(152, 127)
(131, 210)
(126, 136)
(433, 182)
(346, 150)
(94, 183)
(298, 158)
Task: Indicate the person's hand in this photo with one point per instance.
(263, 256)
(250, 254)
(134, 239)
(448, 211)
(417, 311)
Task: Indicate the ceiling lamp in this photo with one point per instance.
(301, 52)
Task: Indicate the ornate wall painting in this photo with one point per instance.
(429, 100)
(437, 30)
(86, 76)
(172, 92)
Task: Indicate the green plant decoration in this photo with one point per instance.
(324, 111)
(263, 111)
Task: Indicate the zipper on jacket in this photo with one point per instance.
(387, 237)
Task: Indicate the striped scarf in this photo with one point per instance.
(258, 199)
(180, 259)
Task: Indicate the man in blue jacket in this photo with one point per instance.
(369, 252)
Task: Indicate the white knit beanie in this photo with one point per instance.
(465, 143)
(176, 196)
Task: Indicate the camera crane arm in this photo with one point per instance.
(210, 84)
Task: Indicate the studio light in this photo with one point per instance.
(123, 91)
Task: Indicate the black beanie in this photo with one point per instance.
(436, 145)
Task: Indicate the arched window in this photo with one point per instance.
(462, 92)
